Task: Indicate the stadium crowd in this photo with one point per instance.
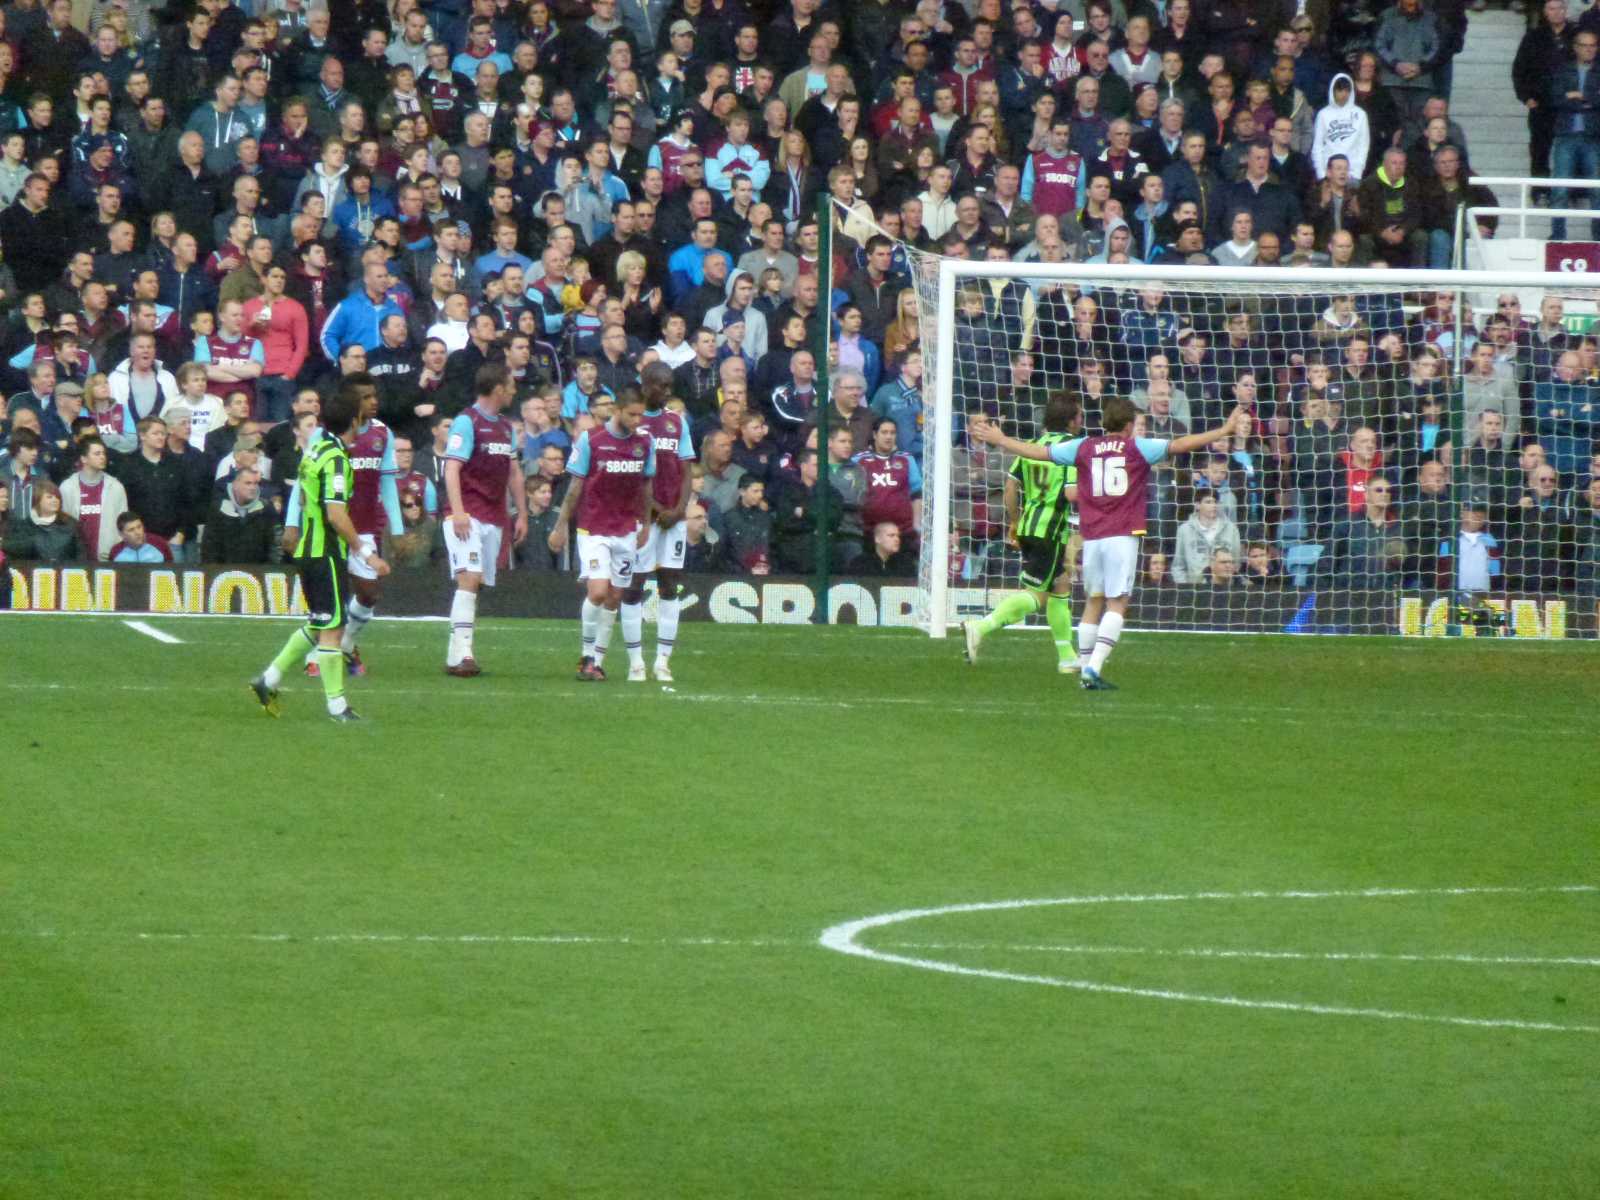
(212, 212)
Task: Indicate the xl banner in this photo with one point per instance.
(275, 591)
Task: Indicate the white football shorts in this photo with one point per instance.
(1110, 566)
(366, 544)
(605, 557)
(479, 551)
(666, 548)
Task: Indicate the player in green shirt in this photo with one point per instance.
(319, 546)
(1039, 499)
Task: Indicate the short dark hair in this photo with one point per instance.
(1060, 411)
(1119, 412)
(490, 378)
(339, 412)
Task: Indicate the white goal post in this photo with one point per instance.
(1437, 315)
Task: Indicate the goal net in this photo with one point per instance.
(1419, 459)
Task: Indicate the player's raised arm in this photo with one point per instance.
(988, 431)
(1198, 441)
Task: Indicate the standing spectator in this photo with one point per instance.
(1408, 45)
(1542, 534)
(240, 525)
(155, 484)
(1206, 531)
(1542, 55)
(747, 529)
(1368, 551)
(901, 401)
(893, 483)
(233, 359)
(33, 223)
(1479, 566)
(1574, 99)
(95, 501)
(281, 324)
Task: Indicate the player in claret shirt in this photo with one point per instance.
(1113, 482)
(374, 508)
(611, 468)
(663, 552)
(478, 478)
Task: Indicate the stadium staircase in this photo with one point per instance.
(1482, 101)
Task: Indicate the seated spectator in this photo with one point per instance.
(886, 557)
(1263, 570)
(136, 545)
(1392, 212)
(1222, 572)
(44, 533)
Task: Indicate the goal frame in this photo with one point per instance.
(939, 451)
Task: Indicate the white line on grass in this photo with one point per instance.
(420, 939)
(843, 939)
(150, 631)
(1504, 960)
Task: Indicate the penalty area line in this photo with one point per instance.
(150, 631)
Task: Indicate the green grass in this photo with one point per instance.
(236, 954)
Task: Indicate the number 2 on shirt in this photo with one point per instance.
(1110, 476)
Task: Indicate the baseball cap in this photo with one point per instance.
(733, 316)
(680, 26)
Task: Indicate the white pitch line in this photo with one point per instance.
(1503, 960)
(843, 939)
(151, 631)
(455, 939)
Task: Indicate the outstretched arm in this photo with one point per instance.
(1197, 441)
(985, 430)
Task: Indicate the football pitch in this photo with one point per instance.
(837, 916)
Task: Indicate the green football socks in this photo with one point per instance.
(300, 644)
(1058, 611)
(330, 666)
(1009, 611)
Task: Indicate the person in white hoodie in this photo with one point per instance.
(1341, 128)
(327, 176)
